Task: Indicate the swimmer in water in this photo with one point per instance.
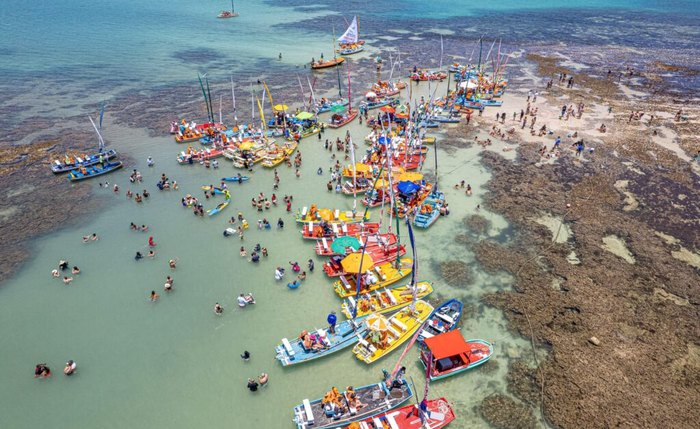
(41, 370)
(218, 309)
(75, 270)
(70, 367)
(154, 296)
(252, 385)
(67, 280)
(243, 252)
(172, 263)
(63, 265)
(246, 356)
(138, 256)
(263, 379)
(168, 287)
(55, 273)
(151, 254)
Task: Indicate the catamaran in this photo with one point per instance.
(349, 41)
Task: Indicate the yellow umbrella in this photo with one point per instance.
(246, 145)
(351, 263)
(377, 322)
(410, 176)
(326, 214)
(281, 107)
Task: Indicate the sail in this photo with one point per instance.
(351, 34)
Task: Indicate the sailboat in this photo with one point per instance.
(324, 64)
(340, 116)
(349, 42)
(74, 162)
(228, 13)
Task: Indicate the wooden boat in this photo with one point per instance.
(379, 255)
(377, 103)
(218, 208)
(428, 140)
(337, 409)
(374, 345)
(190, 135)
(72, 163)
(384, 300)
(428, 75)
(228, 13)
(439, 414)
(319, 230)
(387, 89)
(361, 186)
(83, 173)
(193, 155)
(338, 120)
(325, 105)
(452, 354)
(319, 343)
(429, 211)
(324, 64)
(351, 49)
(445, 119)
(359, 170)
(298, 134)
(382, 275)
(314, 214)
(324, 247)
(278, 154)
(444, 319)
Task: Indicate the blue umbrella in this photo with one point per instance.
(407, 187)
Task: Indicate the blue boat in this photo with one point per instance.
(428, 124)
(237, 179)
(218, 208)
(83, 173)
(338, 409)
(446, 119)
(323, 343)
(369, 105)
(431, 213)
(353, 50)
(443, 319)
(326, 106)
(89, 160)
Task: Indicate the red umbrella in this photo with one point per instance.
(388, 109)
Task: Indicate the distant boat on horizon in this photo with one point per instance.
(228, 13)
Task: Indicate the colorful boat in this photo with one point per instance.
(378, 255)
(337, 409)
(438, 414)
(338, 120)
(319, 230)
(83, 173)
(428, 75)
(75, 162)
(351, 49)
(429, 211)
(276, 155)
(314, 214)
(386, 335)
(319, 343)
(324, 64)
(379, 277)
(228, 13)
(444, 319)
(325, 105)
(451, 354)
(384, 300)
(373, 102)
(325, 247)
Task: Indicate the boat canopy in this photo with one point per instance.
(446, 345)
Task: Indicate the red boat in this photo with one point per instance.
(438, 415)
(319, 230)
(379, 254)
(428, 76)
(338, 120)
(324, 247)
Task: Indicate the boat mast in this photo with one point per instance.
(441, 52)
(99, 136)
(340, 92)
(233, 99)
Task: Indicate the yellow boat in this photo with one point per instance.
(429, 140)
(277, 156)
(313, 214)
(376, 278)
(385, 300)
(385, 335)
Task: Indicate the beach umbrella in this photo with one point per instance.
(351, 263)
(411, 176)
(246, 145)
(407, 187)
(384, 140)
(337, 108)
(340, 243)
(402, 108)
(326, 214)
(304, 115)
(387, 109)
(402, 115)
(281, 107)
(371, 94)
(377, 322)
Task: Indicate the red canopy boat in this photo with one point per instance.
(438, 414)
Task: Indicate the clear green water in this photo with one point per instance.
(174, 363)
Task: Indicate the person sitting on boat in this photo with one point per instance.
(352, 398)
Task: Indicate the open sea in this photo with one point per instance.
(173, 363)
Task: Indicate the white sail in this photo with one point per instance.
(351, 34)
